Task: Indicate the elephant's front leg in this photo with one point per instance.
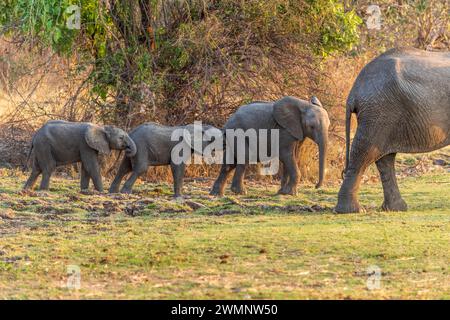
(89, 162)
(85, 179)
(392, 199)
(284, 178)
(237, 185)
(178, 175)
(291, 170)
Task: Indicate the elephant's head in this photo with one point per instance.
(305, 119)
(103, 139)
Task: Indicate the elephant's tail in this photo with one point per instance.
(348, 122)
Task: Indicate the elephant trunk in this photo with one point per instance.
(322, 143)
(131, 148)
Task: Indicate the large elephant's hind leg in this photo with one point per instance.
(392, 199)
(124, 169)
(237, 185)
(363, 154)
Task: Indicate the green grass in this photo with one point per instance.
(259, 246)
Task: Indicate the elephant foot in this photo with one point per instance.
(113, 190)
(347, 203)
(397, 205)
(178, 198)
(285, 191)
(126, 191)
(215, 192)
(348, 207)
(238, 190)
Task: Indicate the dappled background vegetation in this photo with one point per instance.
(173, 61)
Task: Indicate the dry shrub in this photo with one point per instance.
(14, 145)
(261, 76)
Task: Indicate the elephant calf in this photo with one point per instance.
(154, 148)
(60, 142)
(296, 120)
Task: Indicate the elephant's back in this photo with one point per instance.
(153, 141)
(414, 56)
(404, 93)
(252, 116)
(419, 67)
(402, 74)
(406, 64)
(149, 130)
(60, 130)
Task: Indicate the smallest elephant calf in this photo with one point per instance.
(60, 142)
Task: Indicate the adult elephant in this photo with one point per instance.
(295, 119)
(402, 103)
(61, 142)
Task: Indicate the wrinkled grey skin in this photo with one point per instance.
(296, 120)
(154, 148)
(60, 142)
(402, 103)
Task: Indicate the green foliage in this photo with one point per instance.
(45, 21)
(323, 25)
(335, 29)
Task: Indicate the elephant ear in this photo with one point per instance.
(287, 114)
(315, 101)
(95, 137)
